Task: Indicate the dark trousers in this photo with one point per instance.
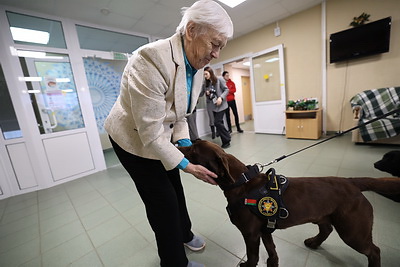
(232, 105)
(164, 200)
(219, 124)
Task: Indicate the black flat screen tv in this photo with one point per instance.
(365, 40)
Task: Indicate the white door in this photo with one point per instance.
(268, 90)
(51, 86)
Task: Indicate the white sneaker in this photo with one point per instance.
(196, 244)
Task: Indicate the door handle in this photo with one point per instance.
(50, 112)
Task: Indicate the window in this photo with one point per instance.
(96, 39)
(31, 30)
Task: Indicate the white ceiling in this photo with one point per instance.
(159, 18)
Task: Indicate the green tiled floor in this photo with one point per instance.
(99, 220)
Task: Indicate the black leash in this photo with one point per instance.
(261, 166)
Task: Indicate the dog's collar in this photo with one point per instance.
(252, 172)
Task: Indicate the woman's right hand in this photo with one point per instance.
(201, 173)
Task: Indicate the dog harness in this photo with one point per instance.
(265, 202)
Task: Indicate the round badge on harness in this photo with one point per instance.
(267, 206)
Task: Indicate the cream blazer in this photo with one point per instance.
(150, 112)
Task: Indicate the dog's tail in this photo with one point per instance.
(387, 187)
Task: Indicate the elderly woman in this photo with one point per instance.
(159, 89)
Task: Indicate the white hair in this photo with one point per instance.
(206, 13)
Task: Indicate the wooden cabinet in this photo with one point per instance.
(304, 124)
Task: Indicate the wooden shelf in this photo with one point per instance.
(304, 124)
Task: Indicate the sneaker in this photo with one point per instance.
(196, 244)
(195, 264)
(226, 145)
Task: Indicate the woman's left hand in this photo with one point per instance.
(201, 173)
(219, 101)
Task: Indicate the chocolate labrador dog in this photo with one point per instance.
(389, 163)
(326, 201)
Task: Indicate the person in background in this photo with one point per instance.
(231, 103)
(216, 91)
(192, 123)
(160, 87)
(210, 112)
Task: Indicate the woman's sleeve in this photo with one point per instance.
(223, 87)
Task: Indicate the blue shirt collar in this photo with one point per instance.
(188, 66)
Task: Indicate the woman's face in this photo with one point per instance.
(202, 48)
(207, 75)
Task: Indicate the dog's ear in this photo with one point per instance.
(221, 167)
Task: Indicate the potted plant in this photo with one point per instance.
(303, 104)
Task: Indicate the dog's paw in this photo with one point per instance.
(312, 243)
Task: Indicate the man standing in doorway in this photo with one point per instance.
(231, 103)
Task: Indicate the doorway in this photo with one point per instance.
(239, 72)
(268, 90)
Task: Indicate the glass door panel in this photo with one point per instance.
(104, 80)
(267, 77)
(52, 90)
(9, 125)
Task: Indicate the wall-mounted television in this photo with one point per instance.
(365, 40)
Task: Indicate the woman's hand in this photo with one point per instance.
(208, 92)
(201, 173)
(219, 101)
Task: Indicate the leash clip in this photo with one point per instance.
(260, 167)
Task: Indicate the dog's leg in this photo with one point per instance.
(252, 241)
(273, 260)
(325, 230)
(354, 226)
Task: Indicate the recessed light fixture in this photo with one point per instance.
(30, 36)
(232, 3)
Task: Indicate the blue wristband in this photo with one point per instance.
(183, 164)
(184, 142)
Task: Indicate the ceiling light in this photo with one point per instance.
(63, 80)
(30, 79)
(247, 63)
(272, 59)
(34, 91)
(232, 3)
(35, 54)
(30, 36)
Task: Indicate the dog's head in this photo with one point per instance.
(205, 153)
(389, 163)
